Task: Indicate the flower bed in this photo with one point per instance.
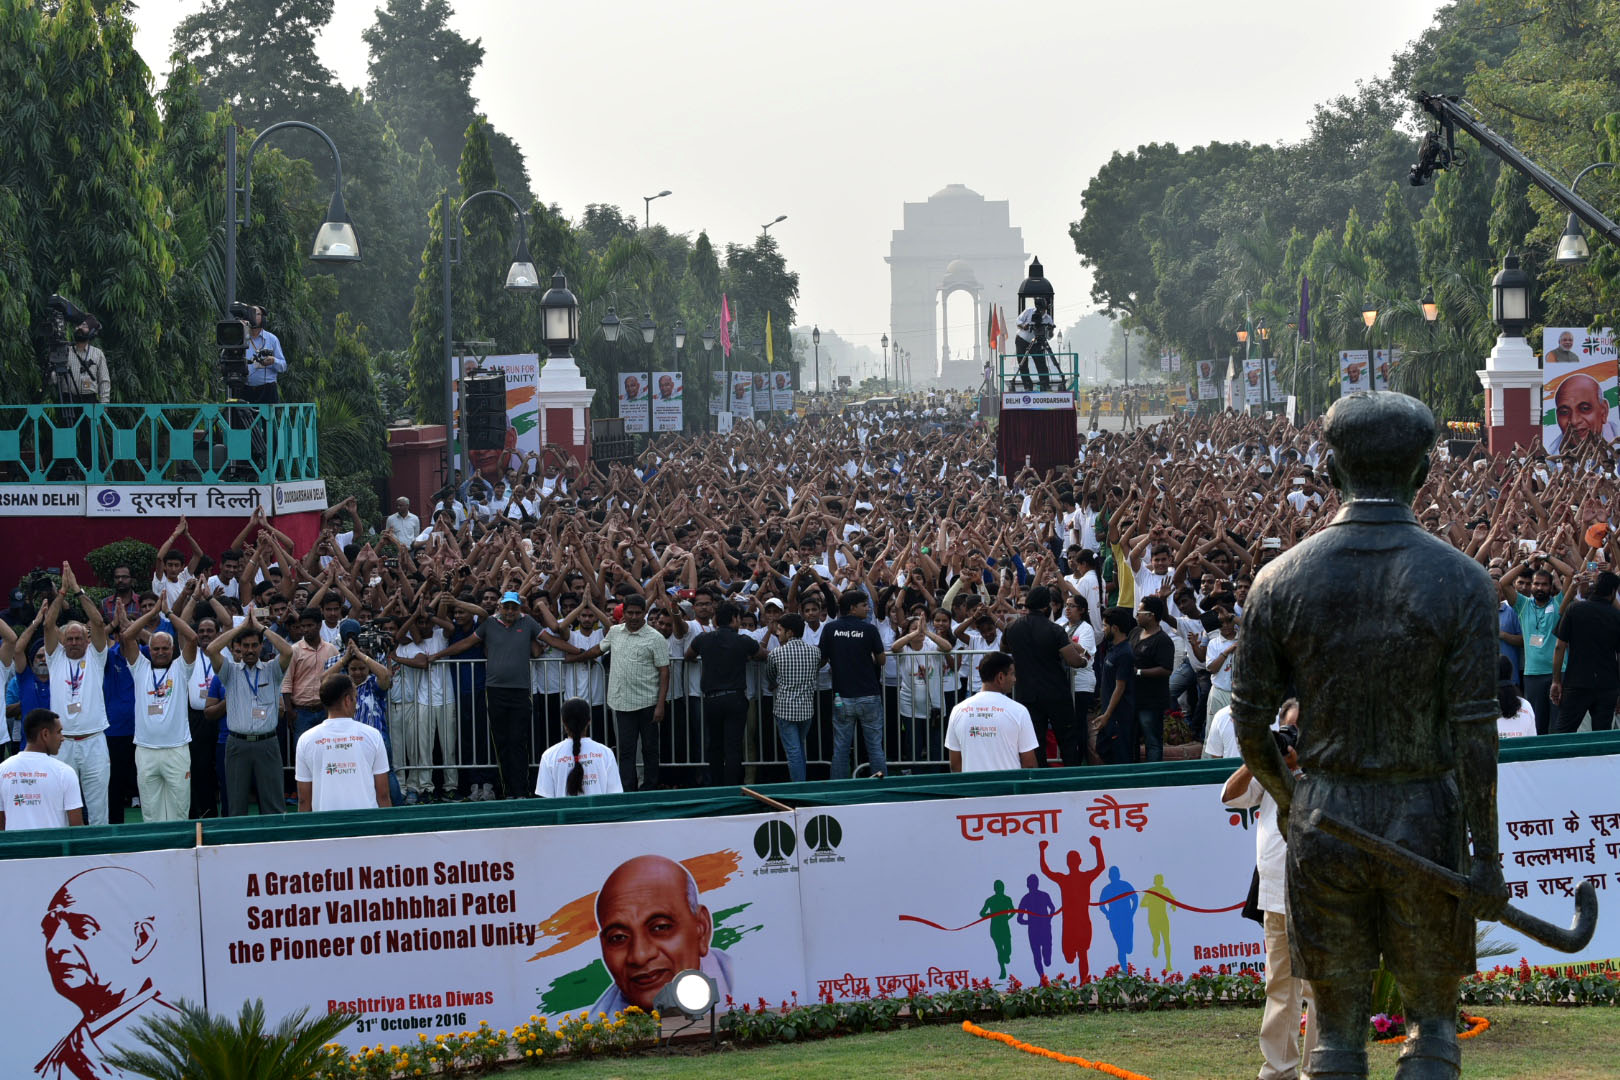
(1526, 985)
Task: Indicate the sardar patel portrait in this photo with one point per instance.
(101, 930)
(652, 926)
(1582, 412)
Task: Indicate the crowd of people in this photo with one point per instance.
(806, 602)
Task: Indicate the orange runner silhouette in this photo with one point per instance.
(1075, 887)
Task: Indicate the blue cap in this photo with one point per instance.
(347, 629)
(511, 598)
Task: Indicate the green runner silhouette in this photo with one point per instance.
(999, 910)
(1158, 909)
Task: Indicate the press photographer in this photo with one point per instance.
(1033, 341)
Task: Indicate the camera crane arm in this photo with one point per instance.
(1439, 151)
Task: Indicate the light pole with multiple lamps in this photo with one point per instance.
(521, 278)
(334, 242)
(646, 209)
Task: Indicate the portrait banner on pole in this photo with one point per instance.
(635, 402)
(717, 392)
(742, 395)
(1253, 384)
(1384, 363)
(668, 403)
(1353, 371)
(781, 391)
(1578, 391)
(762, 392)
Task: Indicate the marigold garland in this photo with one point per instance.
(1040, 1051)
(1477, 1026)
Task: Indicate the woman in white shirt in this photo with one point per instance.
(1077, 623)
(1518, 719)
(579, 765)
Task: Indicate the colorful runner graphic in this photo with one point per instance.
(1035, 911)
(999, 910)
(1158, 901)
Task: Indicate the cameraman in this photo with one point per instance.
(85, 381)
(265, 361)
(1034, 329)
(1279, 1024)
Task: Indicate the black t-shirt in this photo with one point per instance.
(1592, 631)
(1158, 651)
(1118, 666)
(725, 654)
(1036, 643)
(848, 645)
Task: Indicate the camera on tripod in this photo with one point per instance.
(231, 335)
(51, 338)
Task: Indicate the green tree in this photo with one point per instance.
(421, 73)
(195, 1045)
(260, 57)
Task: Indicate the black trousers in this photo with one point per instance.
(1025, 355)
(1577, 701)
(264, 394)
(1084, 701)
(725, 718)
(636, 726)
(472, 722)
(205, 779)
(1056, 713)
(121, 787)
(509, 719)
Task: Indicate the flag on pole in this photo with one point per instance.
(725, 325)
(1304, 308)
(770, 347)
(991, 339)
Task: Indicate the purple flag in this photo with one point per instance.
(1304, 308)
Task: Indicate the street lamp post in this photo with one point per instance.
(521, 277)
(708, 336)
(885, 344)
(1572, 247)
(765, 228)
(646, 209)
(815, 339)
(334, 242)
(1369, 319)
(1265, 368)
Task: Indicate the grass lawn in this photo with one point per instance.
(1548, 1044)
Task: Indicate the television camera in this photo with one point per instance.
(231, 335)
(51, 338)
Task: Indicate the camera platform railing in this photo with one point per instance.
(193, 443)
(1062, 372)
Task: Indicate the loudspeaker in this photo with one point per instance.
(483, 410)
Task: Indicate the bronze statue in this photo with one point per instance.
(1387, 636)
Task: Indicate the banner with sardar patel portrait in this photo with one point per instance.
(1578, 389)
(435, 932)
(120, 945)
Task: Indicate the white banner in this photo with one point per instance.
(1071, 883)
(1253, 382)
(41, 500)
(120, 945)
(192, 500)
(762, 392)
(1384, 361)
(435, 932)
(1049, 399)
(669, 395)
(635, 402)
(297, 497)
(717, 392)
(1353, 371)
(522, 371)
(742, 395)
(781, 392)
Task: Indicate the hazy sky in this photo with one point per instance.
(835, 113)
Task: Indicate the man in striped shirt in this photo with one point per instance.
(794, 667)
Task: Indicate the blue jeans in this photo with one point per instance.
(868, 712)
(304, 719)
(1151, 724)
(792, 733)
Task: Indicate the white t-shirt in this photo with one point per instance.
(587, 679)
(1220, 741)
(202, 674)
(339, 757)
(231, 588)
(601, 769)
(922, 674)
(404, 528)
(37, 791)
(1219, 645)
(76, 690)
(990, 730)
(161, 698)
(1519, 724)
(162, 586)
(1085, 678)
